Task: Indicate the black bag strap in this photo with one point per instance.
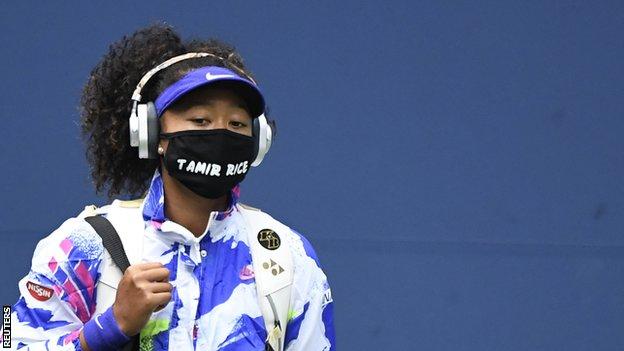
(110, 239)
(112, 244)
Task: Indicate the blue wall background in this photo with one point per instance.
(458, 167)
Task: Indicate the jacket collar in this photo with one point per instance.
(154, 205)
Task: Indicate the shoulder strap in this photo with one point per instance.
(110, 239)
(112, 244)
(274, 271)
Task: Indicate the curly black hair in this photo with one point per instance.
(105, 104)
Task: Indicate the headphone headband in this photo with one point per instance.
(136, 95)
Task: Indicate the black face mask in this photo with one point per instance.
(209, 162)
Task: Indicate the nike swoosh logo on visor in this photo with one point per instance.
(216, 76)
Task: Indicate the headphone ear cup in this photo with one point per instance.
(153, 131)
(263, 137)
(255, 132)
(148, 131)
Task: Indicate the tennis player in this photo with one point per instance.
(178, 125)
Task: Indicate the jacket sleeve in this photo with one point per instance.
(57, 296)
(311, 314)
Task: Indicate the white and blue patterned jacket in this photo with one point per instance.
(214, 303)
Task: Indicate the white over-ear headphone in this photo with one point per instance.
(144, 126)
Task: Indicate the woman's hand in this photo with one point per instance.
(143, 289)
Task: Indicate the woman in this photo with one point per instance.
(205, 271)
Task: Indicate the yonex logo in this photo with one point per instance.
(273, 266)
